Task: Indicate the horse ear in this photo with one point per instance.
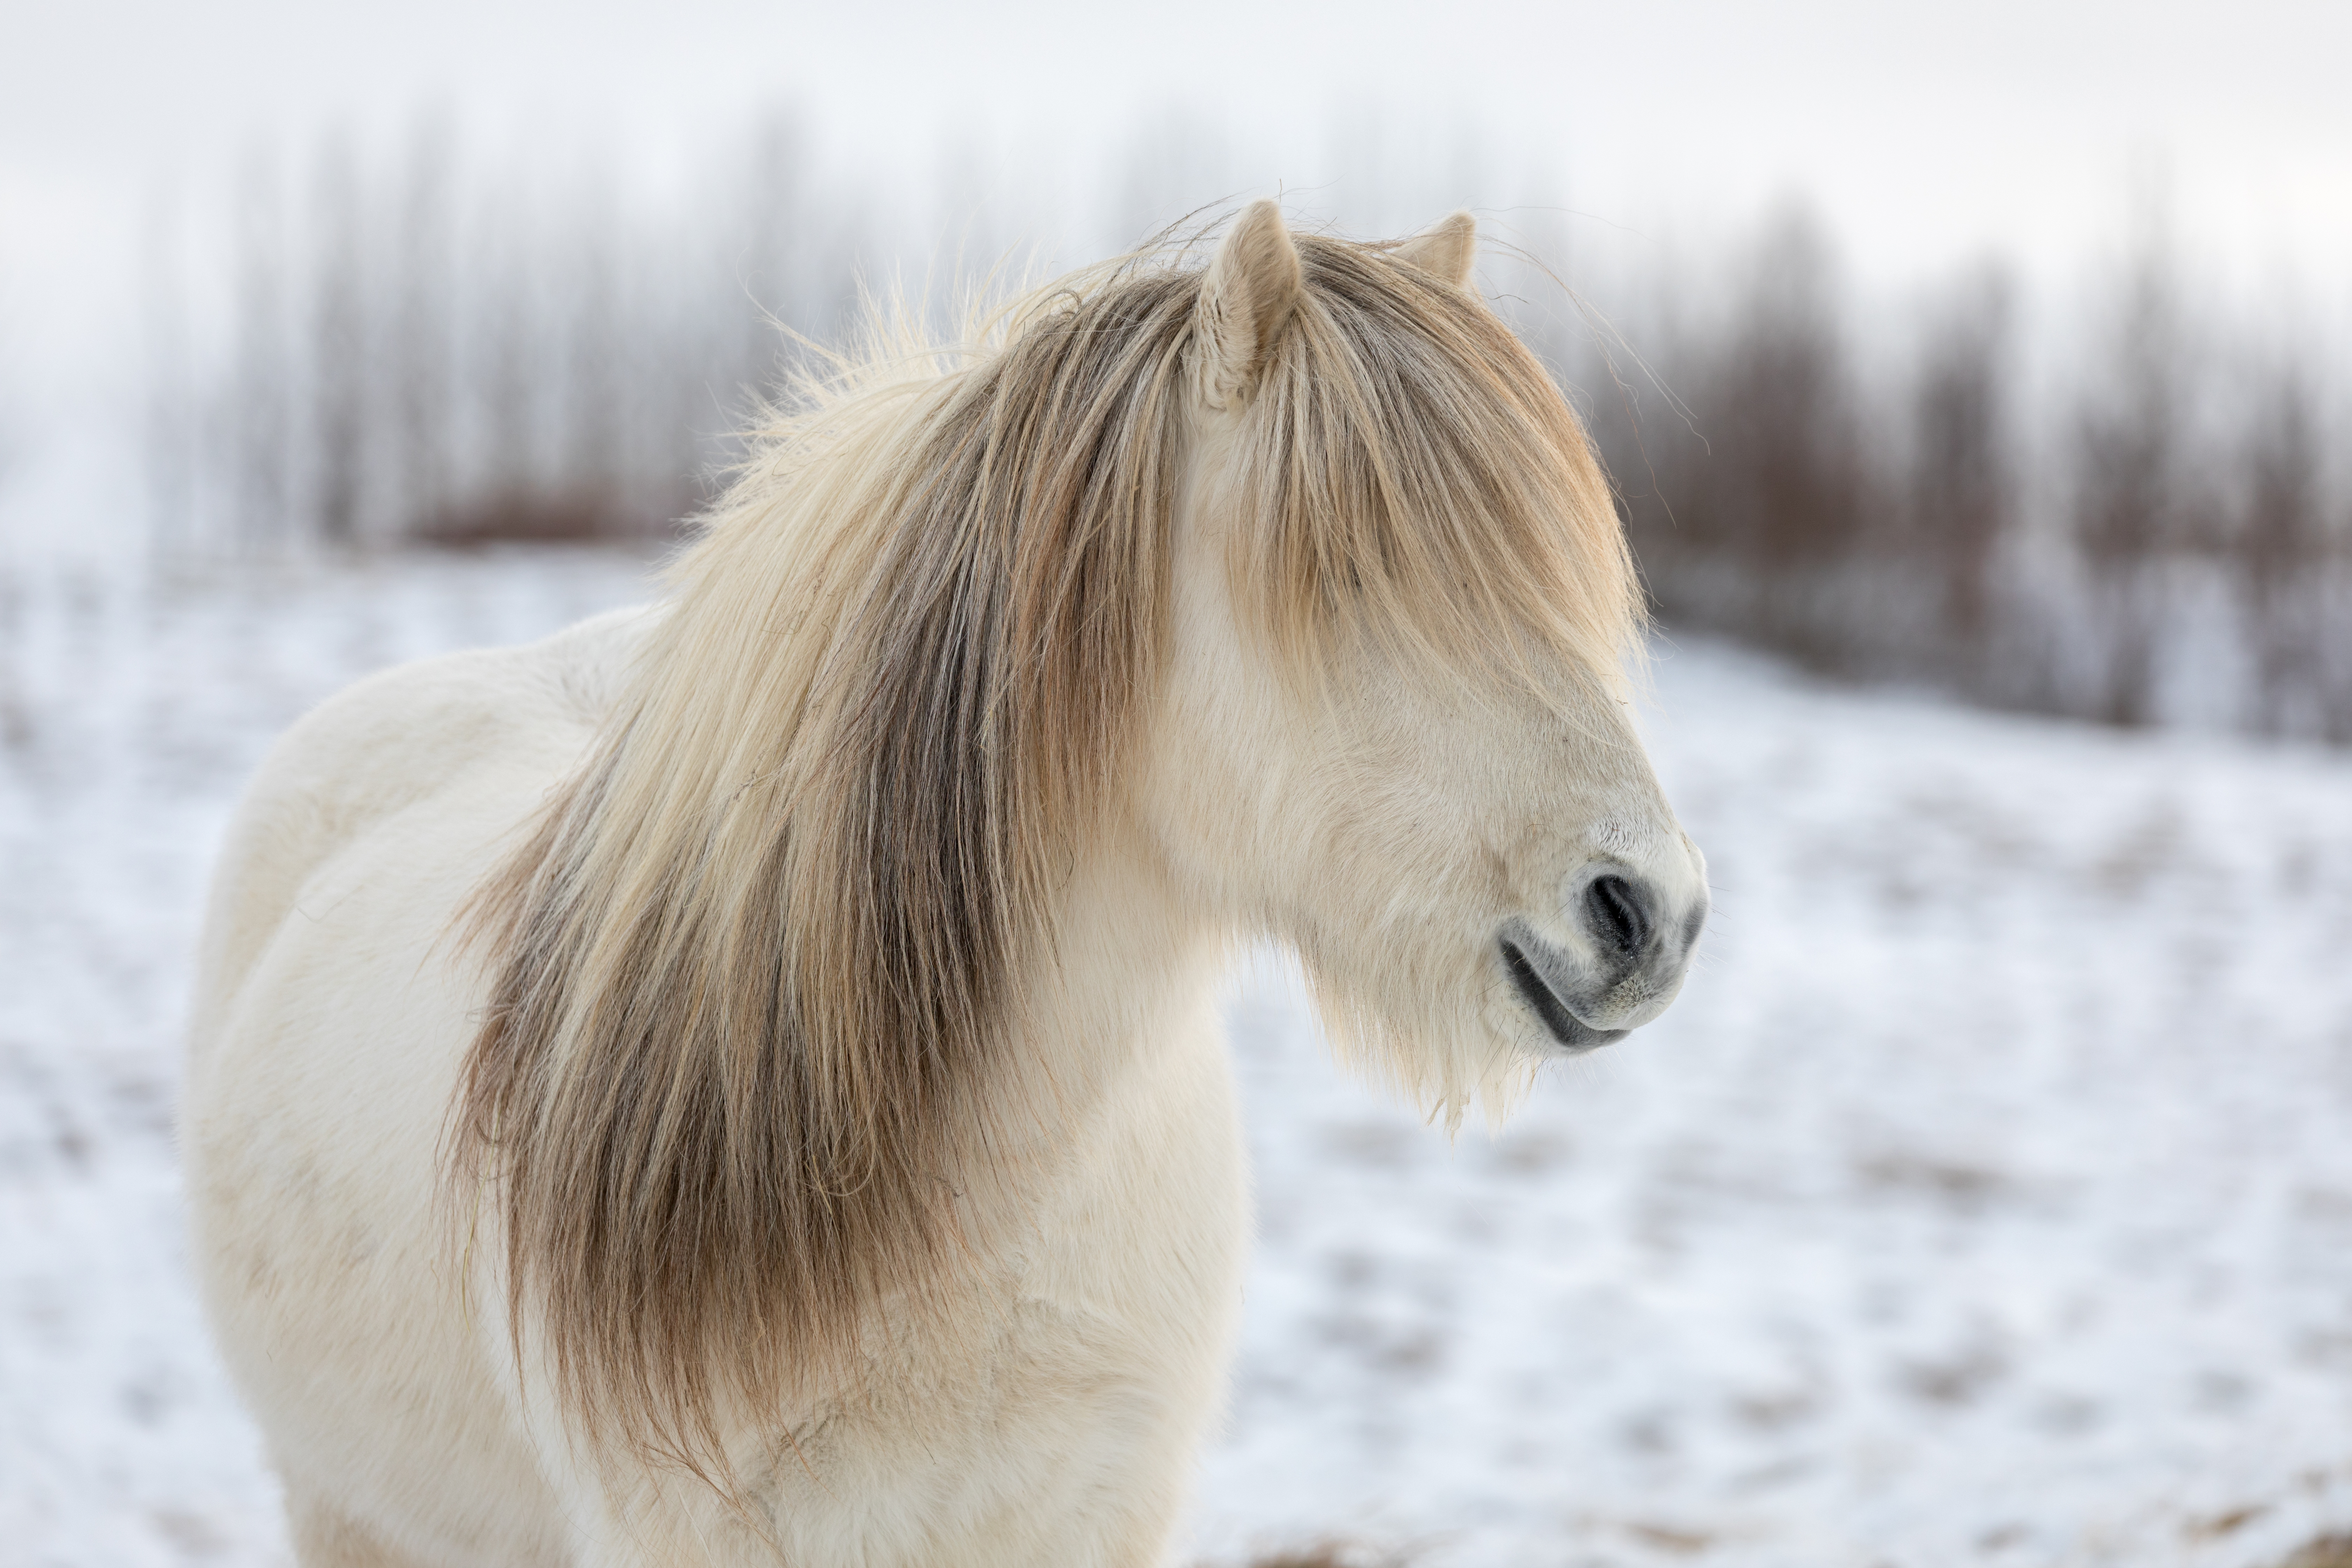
(1248, 293)
(1446, 252)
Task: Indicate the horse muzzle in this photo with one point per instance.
(1629, 940)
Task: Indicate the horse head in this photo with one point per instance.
(1396, 730)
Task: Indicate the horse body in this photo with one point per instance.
(332, 1043)
(815, 1145)
(326, 1047)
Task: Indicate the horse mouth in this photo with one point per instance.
(1570, 1033)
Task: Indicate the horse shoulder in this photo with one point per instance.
(440, 727)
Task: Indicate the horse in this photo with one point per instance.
(741, 1080)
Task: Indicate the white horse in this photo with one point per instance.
(740, 1081)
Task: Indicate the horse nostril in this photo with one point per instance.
(1619, 915)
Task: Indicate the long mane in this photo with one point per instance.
(747, 1079)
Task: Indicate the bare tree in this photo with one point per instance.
(340, 362)
(1782, 494)
(508, 362)
(260, 393)
(1962, 480)
(592, 374)
(422, 312)
(2130, 479)
(2281, 552)
(169, 439)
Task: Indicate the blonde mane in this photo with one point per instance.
(753, 1058)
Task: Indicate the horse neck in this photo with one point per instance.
(1131, 953)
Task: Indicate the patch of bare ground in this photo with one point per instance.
(2222, 1524)
(2327, 1552)
(1666, 1538)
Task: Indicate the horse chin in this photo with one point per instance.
(1564, 1034)
(1541, 1044)
(1590, 1040)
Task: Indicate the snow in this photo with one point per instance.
(1985, 1199)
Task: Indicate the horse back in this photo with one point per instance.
(437, 730)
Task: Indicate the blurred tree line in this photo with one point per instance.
(2135, 520)
(420, 354)
(2135, 517)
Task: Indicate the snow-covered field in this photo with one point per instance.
(1987, 1197)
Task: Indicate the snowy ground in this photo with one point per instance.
(1985, 1199)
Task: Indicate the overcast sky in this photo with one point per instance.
(1925, 132)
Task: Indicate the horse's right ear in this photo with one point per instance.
(1446, 252)
(1249, 292)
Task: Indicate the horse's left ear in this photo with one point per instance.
(1446, 252)
(1249, 292)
